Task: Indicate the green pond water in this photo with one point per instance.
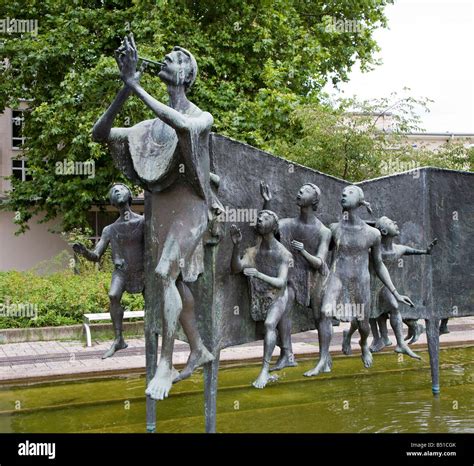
(392, 396)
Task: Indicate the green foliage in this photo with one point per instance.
(258, 59)
(453, 155)
(347, 138)
(58, 299)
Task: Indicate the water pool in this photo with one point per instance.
(392, 396)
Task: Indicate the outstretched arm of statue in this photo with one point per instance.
(169, 115)
(277, 282)
(412, 251)
(103, 131)
(98, 251)
(383, 274)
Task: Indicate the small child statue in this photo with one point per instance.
(266, 265)
(125, 237)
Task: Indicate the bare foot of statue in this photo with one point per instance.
(366, 356)
(264, 378)
(196, 359)
(419, 330)
(377, 345)
(117, 345)
(285, 360)
(346, 343)
(324, 365)
(406, 350)
(159, 387)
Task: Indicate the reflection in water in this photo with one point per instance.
(392, 396)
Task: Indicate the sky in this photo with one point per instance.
(429, 48)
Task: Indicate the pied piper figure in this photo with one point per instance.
(169, 157)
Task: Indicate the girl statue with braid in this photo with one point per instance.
(383, 302)
(346, 295)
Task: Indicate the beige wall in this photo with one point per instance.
(434, 141)
(37, 244)
(25, 251)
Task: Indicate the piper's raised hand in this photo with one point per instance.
(127, 59)
(235, 234)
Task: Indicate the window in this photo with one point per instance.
(98, 221)
(20, 170)
(17, 129)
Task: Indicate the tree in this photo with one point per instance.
(345, 138)
(455, 155)
(258, 61)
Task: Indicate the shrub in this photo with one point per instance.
(60, 298)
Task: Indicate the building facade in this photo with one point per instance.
(20, 252)
(39, 243)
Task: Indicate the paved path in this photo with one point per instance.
(36, 361)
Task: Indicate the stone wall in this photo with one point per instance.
(422, 204)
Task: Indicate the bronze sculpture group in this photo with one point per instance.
(295, 261)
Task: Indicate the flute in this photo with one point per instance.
(151, 62)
